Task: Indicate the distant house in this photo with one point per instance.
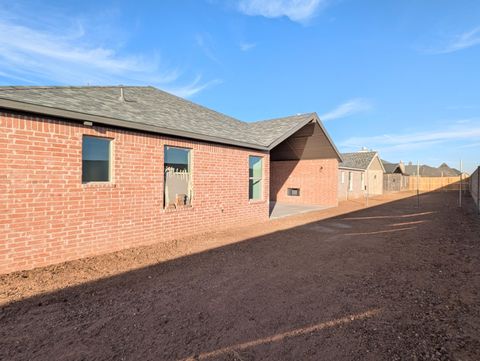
(393, 168)
(360, 173)
(395, 178)
(427, 171)
(91, 170)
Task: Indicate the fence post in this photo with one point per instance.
(418, 189)
(460, 190)
(478, 189)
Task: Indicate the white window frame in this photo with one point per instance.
(350, 181)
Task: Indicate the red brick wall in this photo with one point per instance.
(48, 216)
(316, 178)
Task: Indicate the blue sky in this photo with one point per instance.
(401, 77)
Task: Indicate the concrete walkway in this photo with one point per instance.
(279, 210)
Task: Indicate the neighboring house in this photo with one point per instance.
(360, 174)
(394, 179)
(91, 170)
(393, 168)
(427, 171)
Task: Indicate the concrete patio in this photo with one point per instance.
(279, 210)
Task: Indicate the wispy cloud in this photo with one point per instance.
(471, 145)
(65, 53)
(416, 140)
(205, 43)
(296, 10)
(348, 108)
(247, 46)
(463, 41)
(192, 88)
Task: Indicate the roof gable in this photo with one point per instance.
(357, 160)
(309, 142)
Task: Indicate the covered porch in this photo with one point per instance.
(303, 171)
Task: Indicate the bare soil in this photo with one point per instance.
(388, 282)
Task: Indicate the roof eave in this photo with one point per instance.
(299, 126)
(289, 133)
(371, 161)
(319, 122)
(351, 168)
(72, 115)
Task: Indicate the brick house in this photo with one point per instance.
(92, 170)
(360, 173)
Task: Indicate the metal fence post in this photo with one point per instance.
(460, 190)
(478, 189)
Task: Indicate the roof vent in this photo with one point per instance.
(122, 97)
(364, 149)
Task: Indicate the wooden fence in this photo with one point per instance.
(395, 183)
(475, 187)
(428, 184)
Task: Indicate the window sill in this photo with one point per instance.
(99, 185)
(178, 209)
(256, 201)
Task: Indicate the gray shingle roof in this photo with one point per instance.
(268, 131)
(428, 171)
(357, 160)
(393, 167)
(389, 167)
(151, 107)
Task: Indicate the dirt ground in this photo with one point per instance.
(389, 282)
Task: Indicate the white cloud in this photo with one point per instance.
(296, 10)
(247, 46)
(348, 108)
(402, 141)
(462, 41)
(64, 53)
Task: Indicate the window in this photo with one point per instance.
(178, 181)
(295, 192)
(350, 181)
(363, 181)
(255, 178)
(343, 177)
(96, 153)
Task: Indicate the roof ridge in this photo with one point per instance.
(285, 117)
(198, 105)
(30, 87)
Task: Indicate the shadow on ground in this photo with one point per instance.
(389, 282)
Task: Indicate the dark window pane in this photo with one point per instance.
(255, 167)
(95, 159)
(295, 192)
(255, 189)
(177, 158)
